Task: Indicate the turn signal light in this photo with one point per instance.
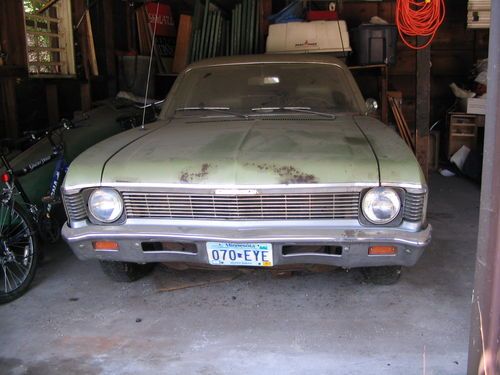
(382, 250)
(106, 245)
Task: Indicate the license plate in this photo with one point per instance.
(240, 254)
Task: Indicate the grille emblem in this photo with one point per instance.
(235, 192)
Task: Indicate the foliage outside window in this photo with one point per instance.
(49, 38)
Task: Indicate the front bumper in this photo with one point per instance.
(353, 241)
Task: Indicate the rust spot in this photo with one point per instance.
(191, 176)
(288, 174)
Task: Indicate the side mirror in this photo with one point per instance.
(371, 106)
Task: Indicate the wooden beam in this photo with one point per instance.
(182, 44)
(423, 108)
(14, 61)
(85, 96)
(52, 103)
(13, 33)
(266, 8)
(9, 106)
(109, 44)
(90, 44)
(78, 10)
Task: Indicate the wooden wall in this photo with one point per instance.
(453, 54)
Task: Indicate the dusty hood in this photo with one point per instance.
(247, 152)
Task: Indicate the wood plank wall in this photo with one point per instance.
(453, 54)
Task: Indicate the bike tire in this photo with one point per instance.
(19, 252)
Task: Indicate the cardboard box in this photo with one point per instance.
(474, 106)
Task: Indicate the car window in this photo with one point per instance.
(244, 88)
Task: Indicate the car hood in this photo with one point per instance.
(223, 151)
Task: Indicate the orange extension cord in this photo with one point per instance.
(419, 18)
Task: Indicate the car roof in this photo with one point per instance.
(269, 58)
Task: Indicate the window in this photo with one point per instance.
(49, 39)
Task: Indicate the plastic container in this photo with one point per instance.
(375, 44)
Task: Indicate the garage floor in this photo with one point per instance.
(75, 321)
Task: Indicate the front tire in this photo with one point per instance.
(19, 251)
(386, 275)
(125, 272)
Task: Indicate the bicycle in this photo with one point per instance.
(22, 221)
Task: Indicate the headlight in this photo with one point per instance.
(381, 205)
(105, 205)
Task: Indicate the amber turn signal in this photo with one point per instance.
(382, 250)
(105, 245)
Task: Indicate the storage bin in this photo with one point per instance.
(375, 44)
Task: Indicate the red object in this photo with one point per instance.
(162, 13)
(5, 177)
(419, 18)
(322, 15)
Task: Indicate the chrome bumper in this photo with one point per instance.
(355, 243)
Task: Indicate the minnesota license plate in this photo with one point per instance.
(240, 254)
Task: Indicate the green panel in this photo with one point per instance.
(204, 32)
(101, 125)
(244, 27)
(257, 27)
(251, 26)
(210, 33)
(247, 153)
(232, 42)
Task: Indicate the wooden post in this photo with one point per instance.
(14, 62)
(52, 103)
(182, 44)
(85, 92)
(109, 42)
(9, 106)
(85, 96)
(423, 108)
(383, 83)
(266, 8)
(484, 343)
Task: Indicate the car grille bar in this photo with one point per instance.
(74, 206)
(414, 206)
(242, 207)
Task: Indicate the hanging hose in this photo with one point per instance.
(419, 18)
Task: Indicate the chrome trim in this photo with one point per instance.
(74, 206)
(256, 234)
(350, 186)
(282, 206)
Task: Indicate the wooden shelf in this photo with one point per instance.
(463, 131)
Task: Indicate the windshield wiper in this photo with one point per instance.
(295, 109)
(214, 109)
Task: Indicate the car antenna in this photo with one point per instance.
(149, 68)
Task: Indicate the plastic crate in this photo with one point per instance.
(375, 44)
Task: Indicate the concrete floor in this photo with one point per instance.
(75, 321)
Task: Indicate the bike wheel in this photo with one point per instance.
(18, 251)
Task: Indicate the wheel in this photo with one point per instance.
(125, 272)
(386, 275)
(18, 251)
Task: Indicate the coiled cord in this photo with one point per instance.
(419, 18)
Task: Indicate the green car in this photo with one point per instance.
(257, 161)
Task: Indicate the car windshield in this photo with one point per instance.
(261, 89)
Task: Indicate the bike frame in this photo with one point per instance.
(60, 170)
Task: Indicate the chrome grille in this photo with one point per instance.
(242, 207)
(75, 206)
(414, 206)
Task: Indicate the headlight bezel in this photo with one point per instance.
(93, 217)
(396, 221)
